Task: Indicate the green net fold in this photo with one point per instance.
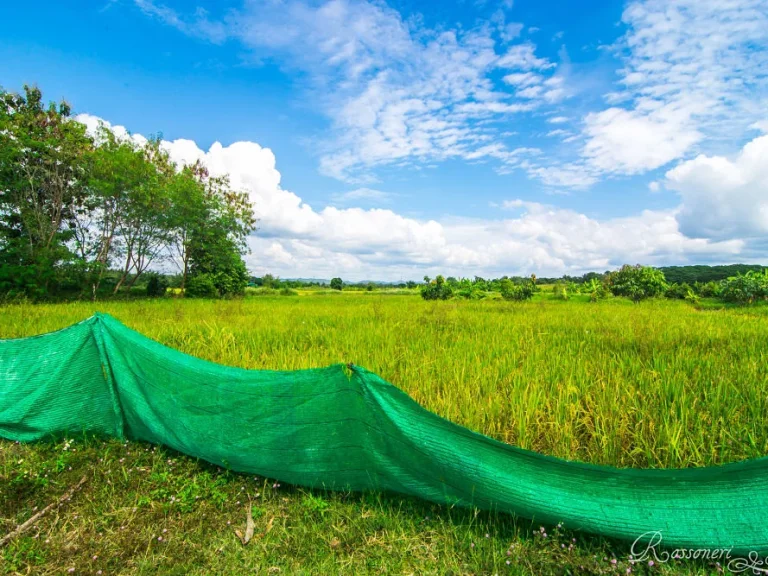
(344, 429)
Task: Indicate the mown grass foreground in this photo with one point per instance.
(657, 384)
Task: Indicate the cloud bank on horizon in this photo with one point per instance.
(686, 112)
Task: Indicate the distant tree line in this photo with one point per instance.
(633, 282)
(704, 274)
(92, 215)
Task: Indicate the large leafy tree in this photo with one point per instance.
(44, 158)
(73, 209)
(144, 227)
(212, 231)
(119, 168)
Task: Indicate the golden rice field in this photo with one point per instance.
(655, 384)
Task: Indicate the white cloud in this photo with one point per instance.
(523, 57)
(363, 194)
(724, 198)
(630, 143)
(396, 92)
(511, 31)
(654, 186)
(295, 239)
(558, 132)
(694, 71)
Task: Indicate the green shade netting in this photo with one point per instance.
(328, 429)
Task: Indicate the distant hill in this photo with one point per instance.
(702, 273)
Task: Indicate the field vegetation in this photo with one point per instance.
(660, 383)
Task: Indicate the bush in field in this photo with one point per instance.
(637, 282)
(560, 291)
(745, 288)
(201, 286)
(471, 293)
(285, 291)
(157, 285)
(336, 284)
(512, 291)
(707, 290)
(436, 289)
(678, 291)
(594, 288)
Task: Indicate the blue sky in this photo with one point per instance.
(392, 140)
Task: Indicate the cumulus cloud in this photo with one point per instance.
(295, 239)
(631, 143)
(724, 198)
(692, 71)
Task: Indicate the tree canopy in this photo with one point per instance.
(86, 215)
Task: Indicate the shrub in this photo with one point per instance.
(157, 285)
(261, 291)
(511, 291)
(471, 293)
(678, 291)
(637, 282)
(598, 294)
(288, 292)
(201, 286)
(708, 290)
(436, 289)
(560, 291)
(745, 288)
(336, 284)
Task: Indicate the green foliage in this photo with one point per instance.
(511, 291)
(745, 288)
(560, 291)
(336, 284)
(437, 289)
(678, 291)
(637, 282)
(268, 281)
(156, 285)
(201, 286)
(44, 158)
(704, 274)
(708, 290)
(79, 213)
(595, 288)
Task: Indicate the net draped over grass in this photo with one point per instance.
(321, 428)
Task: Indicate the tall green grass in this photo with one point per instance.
(655, 384)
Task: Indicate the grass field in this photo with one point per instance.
(656, 384)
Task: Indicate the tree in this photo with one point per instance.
(215, 243)
(189, 215)
(43, 175)
(336, 284)
(745, 288)
(144, 226)
(512, 291)
(268, 281)
(156, 285)
(637, 282)
(437, 289)
(118, 168)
